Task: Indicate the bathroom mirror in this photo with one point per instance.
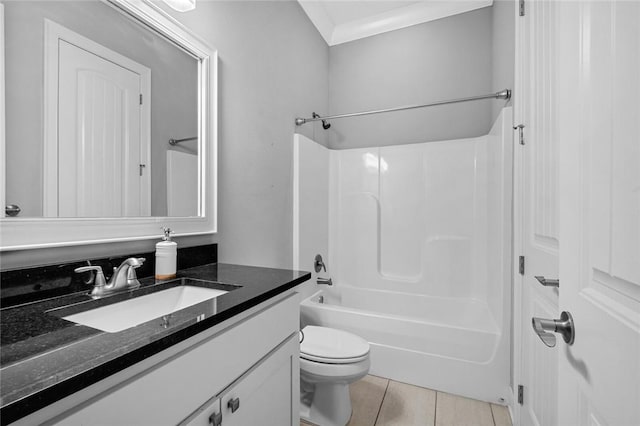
(110, 124)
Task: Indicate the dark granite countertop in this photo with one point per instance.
(44, 358)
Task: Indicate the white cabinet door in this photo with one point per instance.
(266, 394)
(210, 414)
(600, 211)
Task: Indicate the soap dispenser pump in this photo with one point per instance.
(166, 253)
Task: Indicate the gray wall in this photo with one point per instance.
(503, 39)
(273, 66)
(173, 85)
(443, 59)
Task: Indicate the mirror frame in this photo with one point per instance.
(32, 233)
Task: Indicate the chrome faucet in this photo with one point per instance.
(326, 281)
(123, 278)
(318, 265)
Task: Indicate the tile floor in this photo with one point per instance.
(377, 401)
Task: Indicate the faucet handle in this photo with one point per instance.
(318, 263)
(134, 262)
(99, 281)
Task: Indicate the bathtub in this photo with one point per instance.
(448, 344)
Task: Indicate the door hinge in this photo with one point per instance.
(520, 394)
(520, 129)
(142, 166)
(521, 265)
(140, 98)
(521, 7)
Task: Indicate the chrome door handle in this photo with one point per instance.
(563, 326)
(548, 282)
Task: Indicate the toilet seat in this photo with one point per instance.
(333, 360)
(330, 346)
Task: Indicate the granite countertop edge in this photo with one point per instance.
(273, 282)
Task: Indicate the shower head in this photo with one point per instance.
(325, 123)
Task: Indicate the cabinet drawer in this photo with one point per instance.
(168, 392)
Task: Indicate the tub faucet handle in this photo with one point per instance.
(318, 264)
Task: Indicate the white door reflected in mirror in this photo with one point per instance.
(103, 137)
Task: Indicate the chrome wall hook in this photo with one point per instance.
(520, 128)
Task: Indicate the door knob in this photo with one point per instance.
(563, 326)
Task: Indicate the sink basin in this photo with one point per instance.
(122, 315)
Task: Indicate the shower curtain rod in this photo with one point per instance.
(503, 94)
(173, 141)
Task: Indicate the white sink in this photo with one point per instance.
(127, 314)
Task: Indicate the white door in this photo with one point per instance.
(599, 123)
(99, 136)
(97, 125)
(537, 191)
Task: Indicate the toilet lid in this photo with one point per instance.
(329, 345)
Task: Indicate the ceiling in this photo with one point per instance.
(340, 21)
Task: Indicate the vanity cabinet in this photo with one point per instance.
(247, 368)
(260, 396)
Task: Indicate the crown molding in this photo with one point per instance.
(396, 19)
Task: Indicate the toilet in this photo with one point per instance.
(330, 360)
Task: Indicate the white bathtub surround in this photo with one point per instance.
(419, 247)
(182, 183)
(310, 209)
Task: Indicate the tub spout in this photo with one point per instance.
(326, 281)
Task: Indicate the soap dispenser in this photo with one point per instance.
(166, 253)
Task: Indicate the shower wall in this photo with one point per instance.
(310, 209)
(427, 218)
(430, 219)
